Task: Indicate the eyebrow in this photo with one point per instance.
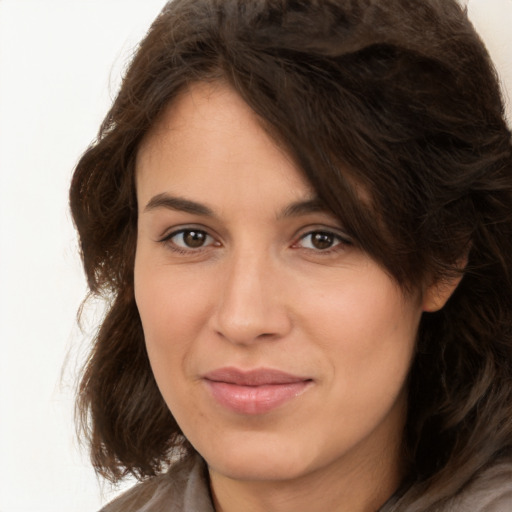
(179, 204)
(313, 205)
(296, 209)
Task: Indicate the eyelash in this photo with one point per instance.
(339, 242)
(167, 240)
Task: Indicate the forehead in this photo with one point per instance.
(207, 137)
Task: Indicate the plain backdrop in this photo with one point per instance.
(60, 66)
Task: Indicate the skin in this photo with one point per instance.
(256, 292)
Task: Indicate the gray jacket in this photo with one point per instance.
(184, 488)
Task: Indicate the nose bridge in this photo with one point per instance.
(250, 306)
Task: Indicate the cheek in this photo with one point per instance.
(369, 331)
(168, 298)
(173, 308)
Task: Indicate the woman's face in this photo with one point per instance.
(279, 346)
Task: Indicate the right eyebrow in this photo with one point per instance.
(165, 200)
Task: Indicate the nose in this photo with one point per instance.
(252, 305)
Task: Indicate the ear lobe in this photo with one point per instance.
(438, 293)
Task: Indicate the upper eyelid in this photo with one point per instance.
(175, 232)
(337, 232)
(334, 235)
(170, 232)
(167, 241)
(339, 241)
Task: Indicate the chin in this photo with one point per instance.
(258, 460)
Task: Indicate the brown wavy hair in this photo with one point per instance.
(398, 97)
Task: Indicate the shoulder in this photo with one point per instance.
(183, 488)
(490, 491)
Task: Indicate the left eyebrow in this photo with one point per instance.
(314, 205)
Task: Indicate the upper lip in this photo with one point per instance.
(256, 377)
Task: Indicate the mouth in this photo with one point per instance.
(256, 391)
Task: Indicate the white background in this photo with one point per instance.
(60, 65)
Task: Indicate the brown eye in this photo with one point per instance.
(190, 239)
(321, 240)
(194, 239)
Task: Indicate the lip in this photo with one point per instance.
(255, 391)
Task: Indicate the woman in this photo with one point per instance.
(301, 213)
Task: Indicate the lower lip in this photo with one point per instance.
(255, 399)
